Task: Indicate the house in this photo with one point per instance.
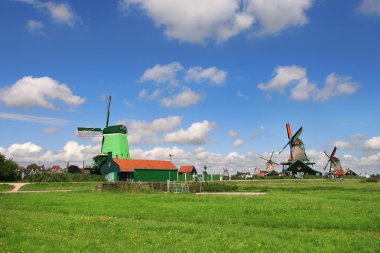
(299, 167)
(190, 169)
(350, 172)
(56, 170)
(139, 170)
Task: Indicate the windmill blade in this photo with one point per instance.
(296, 135)
(333, 153)
(327, 155)
(289, 131)
(326, 165)
(264, 158)
(271, 156)
(88, 131)
(275, 163)
(285, 146)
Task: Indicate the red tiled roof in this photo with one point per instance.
(339, 172)
(55, 168)
(129, 165)
(186, 169)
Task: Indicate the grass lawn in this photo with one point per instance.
(294, 216)
(5, 187)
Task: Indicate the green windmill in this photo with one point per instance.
(114, 141)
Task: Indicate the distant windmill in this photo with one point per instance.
(270, 163)
(114, 139)
(333, 161)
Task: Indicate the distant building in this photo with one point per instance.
(56, 170)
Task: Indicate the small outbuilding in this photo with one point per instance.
(146, 170)
(300, 167)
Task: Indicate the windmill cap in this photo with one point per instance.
(116, 129)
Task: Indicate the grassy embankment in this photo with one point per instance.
(294, 216)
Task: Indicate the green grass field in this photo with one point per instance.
(59, 186)
(5, 187)
(294, 216)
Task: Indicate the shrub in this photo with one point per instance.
(69, 177)
(8, 169)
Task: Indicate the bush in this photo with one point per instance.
(69, 177)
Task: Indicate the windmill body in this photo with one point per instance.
(114, 140)
(298, 163)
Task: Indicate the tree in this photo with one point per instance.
(73, 169)
(8, 169)
(32, 166)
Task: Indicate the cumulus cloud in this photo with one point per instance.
(72, 152)
(369, 7)
(238, 143)
(184, 99)
(196, 134)
(200, 20)
(34, 119)
(275, 16)
(174, 79)
(162, 73)
(336, 85)
(359, 142)
(296, 80)
(142, 132)
(60, 13)
(212, 74)
(38, 91)
(34, 26)
(373, 143)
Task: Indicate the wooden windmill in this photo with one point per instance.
(335, 166)
(114, 139)
(270, 163)
(298, 162)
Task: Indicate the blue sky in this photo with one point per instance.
(212, 82)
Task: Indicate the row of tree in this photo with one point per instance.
(11, 171)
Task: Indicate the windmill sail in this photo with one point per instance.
(88, 131)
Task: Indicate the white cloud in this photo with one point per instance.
(60, 13)
(39, 91)
(233, 133)
(142, 132)
(369, 7)
(50, 130)
(336, 85)
(238, 143)
(34, 119)
(359, 142)
(173, 79)
(184, 99)
(199, 20)
(373, 143)
(275, 16)
(197, 134)
(283, 77)
(256, 132)
(212, 74)
(34, 26)
(301, 89)
(162, 73)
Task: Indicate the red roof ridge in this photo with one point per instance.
(129, 165)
